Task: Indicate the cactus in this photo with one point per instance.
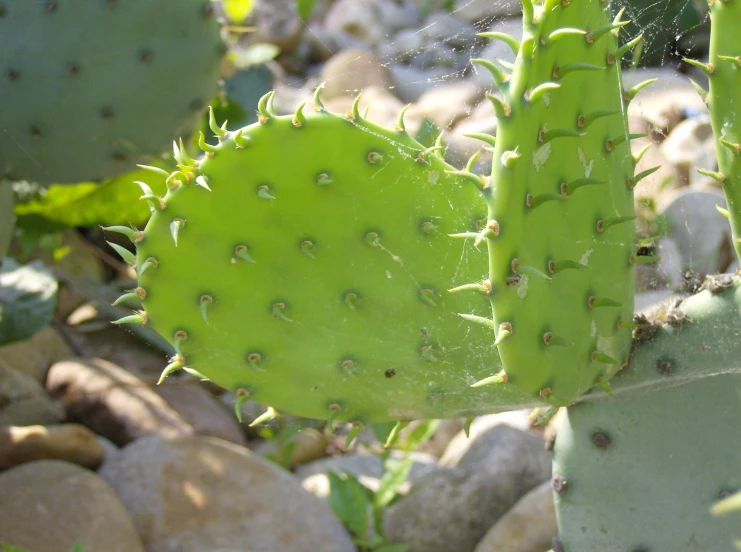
(97, 85)
(642, 471)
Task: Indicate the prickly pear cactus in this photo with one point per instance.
(724, 104)
(641, 471)
(90, 87)
(559, 230)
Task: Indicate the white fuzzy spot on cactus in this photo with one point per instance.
(547, 99)
(388, 274)
(594, 328)
(588, 165)
(433, 177)
(522, 286)
(541, 156)
(585, 258)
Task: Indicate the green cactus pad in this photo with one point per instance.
(642, 470)
(90, 87)
(561, 244)
(307, 263)
(724, 75)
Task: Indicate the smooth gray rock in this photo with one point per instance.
(23, 401)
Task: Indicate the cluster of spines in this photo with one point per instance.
(509, 159)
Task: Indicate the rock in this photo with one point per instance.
(359, 18)
(649, 193)
(682, 144)
(201, 494)
(410, 83)
(70, 442)
(496, 49)
(383, 108)
(452, 507)
(49, 505)
(700, 234)
(323, 42)
(477, 10)
(23, 401)
(394, 17)
(434, 54)
(705, 158)
(112, 402)
(447, 103)
(33, 356)
(305, 446)
(202, 411)
(351, 71)
(275, 22)
(402, 46)
(529, 526)
(460, 147)
(448, 28)
(444, 433)
(368, 468)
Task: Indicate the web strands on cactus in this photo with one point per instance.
(425, 62)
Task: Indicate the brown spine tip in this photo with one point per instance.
(600, 226)
(180, 335)
(514, 265)
(529, 200)
(552, 266)
(590, 301)
(547, 336)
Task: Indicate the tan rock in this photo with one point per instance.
(23, 401)
(35, 355)
(49, 505)
(307, 445)
(351, 71)
(70, 442)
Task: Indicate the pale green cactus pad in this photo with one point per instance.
(89, 87)
(642, 471)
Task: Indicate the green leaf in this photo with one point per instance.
(114, 201)
(237, 10)
(420, 435)
(254, 54)
(27, 299)
(9, 548)
(77, 547)
(382, 430)
(350, 501)
(394, 475)
(304, 8)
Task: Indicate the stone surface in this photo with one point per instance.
(452, 507)
(359, 18)
(368, 468)
(383, 107)
(447, 103)
(35, 355)
(682, 144)
(275, 22)
(49, 505)
(69, 442)
(409, 83)
(201, 494)
(447, 27)
(305, 446)
(529, 526)
(350, 71)
(112, 402)
(200, 409)
(478, 10)
(23, 401)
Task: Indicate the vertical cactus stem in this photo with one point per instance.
(528, 12)
(394, 435)
(583, 121)
(323, 179)
(240, 140)
(501, 108)
(267, 416)
(497, 379)
(139, 317)
(509, 40)
(278, 310)
(489, 232)
(307, 248)
(242, 252)
(255, 362)
(156, 170)
(208, 149)
(427, 296)
(136, 236)
(202, 181)
(596, 302)
(124, 253)
(631, 93)
(537, 93)
(375, 158)
(400, 125)
(318, 105)
(505, 331)
(553, 340)
(558, 34)
(604, 224)
(205, 303)
(264, 192)
(350, 299)
(218, 131)
(299, 119)
(175, 226)
(355, 430)
(510, 158)
(264, 108)
(136, 295)
(500, 77)
(243, 395)
(176, 363)
(180, 337)
(149, 264)
(613, 57)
